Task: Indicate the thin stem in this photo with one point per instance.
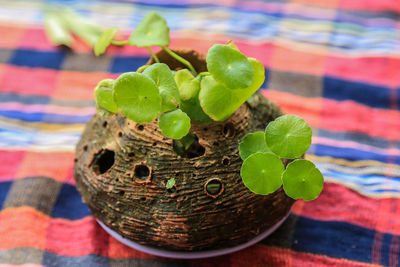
(180, 59)
(153, 54)
(142, 68)
(119, 43)
(204, 73)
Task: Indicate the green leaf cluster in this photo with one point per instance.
(262, 170)
(180, 97)
(142, 97)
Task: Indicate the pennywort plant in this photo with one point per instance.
(262, 170)
(177, 98)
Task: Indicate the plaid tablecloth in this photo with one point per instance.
(336, 63)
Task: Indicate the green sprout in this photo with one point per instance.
(262, 171)
(170, 183)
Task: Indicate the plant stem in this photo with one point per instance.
(204, 73)
(180, 59)
(153, 54)
(142, 68)
(119, 43)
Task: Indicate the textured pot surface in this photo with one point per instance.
(122, 168)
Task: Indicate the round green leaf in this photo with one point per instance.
(229, 67)
(104, 95)
(163, 78)
(262, 172)
(302, 179)
(188, 85)
(170, 183)
(104, 41)
(174, 124)
(252, 143)
(151, 31)
(220, 102)
(288, 136)
(137, 96)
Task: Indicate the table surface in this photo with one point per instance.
(336, 63)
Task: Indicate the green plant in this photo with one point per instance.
(181, 97)
(170, 183)
(262, 170)
(178, 98)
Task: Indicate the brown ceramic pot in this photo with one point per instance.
(122, 169)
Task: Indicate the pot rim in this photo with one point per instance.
(195, 254)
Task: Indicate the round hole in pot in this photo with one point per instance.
(228, 130)
(120, 134)
(140, 127)
(171, 190)
(214, 187)
(193, 151)
(142, 172)
(102, 161)
(105, 124)
(226, 160)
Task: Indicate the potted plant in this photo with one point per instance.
(184, 157)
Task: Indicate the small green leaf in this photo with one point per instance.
(137, 96)
(229, 67)
(220, 102)
(288, 136)
(262, 172)
(170, 183)
(56, 29)
(104, 95)
(104, 41)
(252, 143)
(188, 85)
(302, 179)
(151, 31)
(193, 109)
(164, 79)
(174, 124)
